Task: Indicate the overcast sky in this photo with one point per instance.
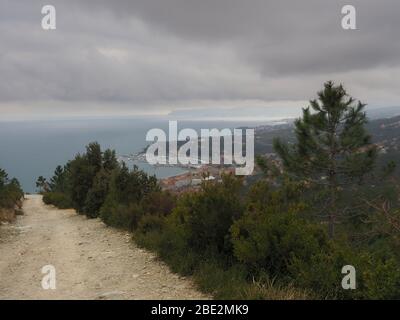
(120, 57)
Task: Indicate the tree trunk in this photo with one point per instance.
(332, 211)
(332, 183)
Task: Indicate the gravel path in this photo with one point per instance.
(91, 260)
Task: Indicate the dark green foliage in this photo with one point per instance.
(3, 178)
(132, 186)
(118, 215)
(97, 194)
(377, 278)
(126, 190)
(153, 208)
(81, 176)
(94, 183)
(58, 199)
(110, 162)
(271, 233)
(207, 216)
(42, 184)
(59, 183)
(94, 156)
(332, 147)
(10, 191)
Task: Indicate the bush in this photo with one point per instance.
(273, 239)
(81, 181)
(203, 219)
(10, 191)
(271, 233)
(377, 278)
(97, 194)
(118, 215)
(381, 279)
(58, 199)
(270, 242)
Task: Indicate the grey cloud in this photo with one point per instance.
(166, 54)
(280, 36)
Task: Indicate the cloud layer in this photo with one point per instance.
(139, 57)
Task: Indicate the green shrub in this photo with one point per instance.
(222, 283)
(271, 241)
(81, 175)
(10, 191)
(381, 280)
(203, 219)
(58, 199)
(151, 211)
(117, 215)
(273, 238)
(377, 278)
(97, 194)
(271, 233)
(127, 190)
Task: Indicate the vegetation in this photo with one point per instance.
(10, 193)
(95, 182)
(59, 199)
(285, 236)
(42, 185)
(333, 148)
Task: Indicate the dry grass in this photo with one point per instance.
(7, 215)
(270, 290)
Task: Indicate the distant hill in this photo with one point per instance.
(267, 114)
(385, 133)
(246, 113)
(383, 112)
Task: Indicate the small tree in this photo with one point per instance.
(94, 155)
(42, 185)
(3, 178)
(110, 161)
(81, 176)
(97, 194)
(333, 148)
(57, 182)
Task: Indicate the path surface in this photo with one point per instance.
(92, 261)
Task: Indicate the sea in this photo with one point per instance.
(29, 149)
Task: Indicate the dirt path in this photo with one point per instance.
(92, 261)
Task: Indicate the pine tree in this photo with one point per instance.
(57, 182)
(81, 175)
(3, 178)
(333, 148)
(110, 161)
(94, 155)
(97, 194)
(42, 184)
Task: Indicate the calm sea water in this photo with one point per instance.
(29, 149)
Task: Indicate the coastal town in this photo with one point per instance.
(193, 178)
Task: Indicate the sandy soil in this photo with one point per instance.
(92, 261)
